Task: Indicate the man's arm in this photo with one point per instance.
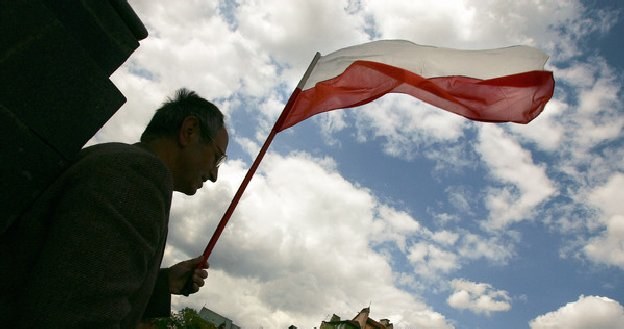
(159, 305)
(171, 281)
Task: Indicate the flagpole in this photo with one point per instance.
(250, 172)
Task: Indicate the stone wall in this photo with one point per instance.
(56, 57)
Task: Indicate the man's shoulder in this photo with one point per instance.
(117, 153)
(113, 148)
(109, 157)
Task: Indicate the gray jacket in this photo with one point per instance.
(87, 254)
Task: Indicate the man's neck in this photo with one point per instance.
(164, 149)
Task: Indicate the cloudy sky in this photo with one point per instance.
(432, 220)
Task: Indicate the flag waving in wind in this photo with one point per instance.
(496, 85)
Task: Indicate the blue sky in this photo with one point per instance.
(433, 220)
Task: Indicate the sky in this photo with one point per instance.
(432, 220)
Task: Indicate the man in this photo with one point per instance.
(87, 254)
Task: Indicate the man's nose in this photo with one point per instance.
(214, 173)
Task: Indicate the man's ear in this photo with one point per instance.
(189, 130)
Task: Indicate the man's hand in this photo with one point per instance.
(180, 273)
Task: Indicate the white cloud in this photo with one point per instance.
(546, 131)
(393, 225)
(460, 198)
(297, 247)
(608, 247)
(555, 26)
(445, 237)
(430, 260)
(597, 118)
(407, 125)
(527, 184)
(479, 298)
(473, 246)
(606, 198)
(185, 48)
(588, 156)
(441, 23)
(588, 312)
(290, 33)
(331, 123)
(591, 117)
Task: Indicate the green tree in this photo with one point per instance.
(186, 318)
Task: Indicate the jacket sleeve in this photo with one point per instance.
(106, 236)
(159, 305)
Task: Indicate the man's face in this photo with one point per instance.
(200, 160)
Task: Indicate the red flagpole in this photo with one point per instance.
(230, 210)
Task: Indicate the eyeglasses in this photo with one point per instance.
(221, 159)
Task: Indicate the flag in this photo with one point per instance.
(494, 85)
(497, 85)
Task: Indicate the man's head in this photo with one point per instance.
(188, 134)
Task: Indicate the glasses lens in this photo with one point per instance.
(223, 157)
(221, 160)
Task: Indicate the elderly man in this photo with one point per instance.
(87, 254)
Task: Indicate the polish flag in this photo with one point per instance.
(493, 85)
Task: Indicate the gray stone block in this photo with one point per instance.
(56, 57)
(56, 88)
(98, 27)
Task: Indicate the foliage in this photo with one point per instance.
(186, 318)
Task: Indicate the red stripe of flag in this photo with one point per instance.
(517, 97)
